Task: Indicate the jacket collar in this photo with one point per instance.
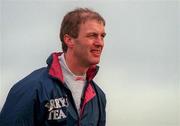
(56, 71)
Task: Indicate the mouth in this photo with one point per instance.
(96, 52)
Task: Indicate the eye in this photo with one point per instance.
(92, 35)
(103, 35)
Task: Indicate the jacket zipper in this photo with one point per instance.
(73, 101)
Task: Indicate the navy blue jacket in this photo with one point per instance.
(43, 99)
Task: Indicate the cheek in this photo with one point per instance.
(84, 47)
(82, 51)
(102, 43)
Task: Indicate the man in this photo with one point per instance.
(63, 93)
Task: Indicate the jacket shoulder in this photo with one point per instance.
(23, 97)
(32, 79)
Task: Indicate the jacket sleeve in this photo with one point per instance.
(102, 118)
(20, 106)
(102, 105)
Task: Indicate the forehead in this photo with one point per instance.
(92, 25)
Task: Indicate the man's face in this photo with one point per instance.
(89, 43)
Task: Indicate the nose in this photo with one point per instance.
(99, 41)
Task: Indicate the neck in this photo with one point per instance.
(74, 65)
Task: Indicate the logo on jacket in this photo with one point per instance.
(57, 108)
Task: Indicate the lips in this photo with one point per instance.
(96, 52)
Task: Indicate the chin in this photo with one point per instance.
(94, 62)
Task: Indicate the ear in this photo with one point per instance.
(68, 40)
